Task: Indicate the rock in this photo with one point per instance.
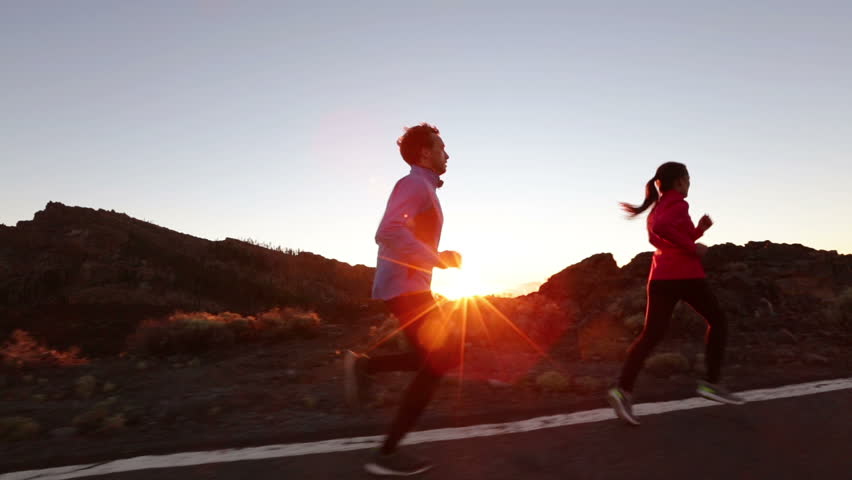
(63, 432)
(109, 387)
(588, 384)
(785, 354)
(498, 384)
(786, 337)
(309, 401)
(816, 359)
(384, 398)
(700, 364)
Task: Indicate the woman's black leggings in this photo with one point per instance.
(663, 295)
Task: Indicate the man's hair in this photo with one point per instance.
(414, 139)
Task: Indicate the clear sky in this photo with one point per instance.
(277, 120)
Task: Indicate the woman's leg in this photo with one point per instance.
(701, 298)
(662, 298)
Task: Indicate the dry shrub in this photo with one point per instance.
(280, 323)
(22, 351)
(200, 332)
(18, 428)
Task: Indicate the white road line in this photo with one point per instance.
(443, 434)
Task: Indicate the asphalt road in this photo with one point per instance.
(806, 437)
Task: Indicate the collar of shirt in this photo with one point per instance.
(433, 177)
(672, 195)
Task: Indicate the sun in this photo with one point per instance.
(455, 283)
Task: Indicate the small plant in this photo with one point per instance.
(84, 387)
(91, 419)
(666, 364)
(18, 428)
(841, 310)
(635, 323)
(587, 384)
(389, 333)
(552, 381)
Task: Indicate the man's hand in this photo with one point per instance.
(705, 223)
(450, 259)
(701, 249)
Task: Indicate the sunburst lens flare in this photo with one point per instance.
(459, 283)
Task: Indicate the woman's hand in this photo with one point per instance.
(705, 223)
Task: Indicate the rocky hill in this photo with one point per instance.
(82, 277)
(79, 276)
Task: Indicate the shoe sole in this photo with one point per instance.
(717, 398)
(620, 411)
(376, 469)
(350, 380)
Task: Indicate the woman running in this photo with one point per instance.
(676, 274)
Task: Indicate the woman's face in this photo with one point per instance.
(682, 185)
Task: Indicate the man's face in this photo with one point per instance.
(435, 158)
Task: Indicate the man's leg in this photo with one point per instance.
(434, 363)
(422, 315)
(358, 368)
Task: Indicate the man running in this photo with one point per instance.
(408, 238)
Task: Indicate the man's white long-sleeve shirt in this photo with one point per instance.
(408, 236)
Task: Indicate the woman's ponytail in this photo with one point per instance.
(667, 174)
